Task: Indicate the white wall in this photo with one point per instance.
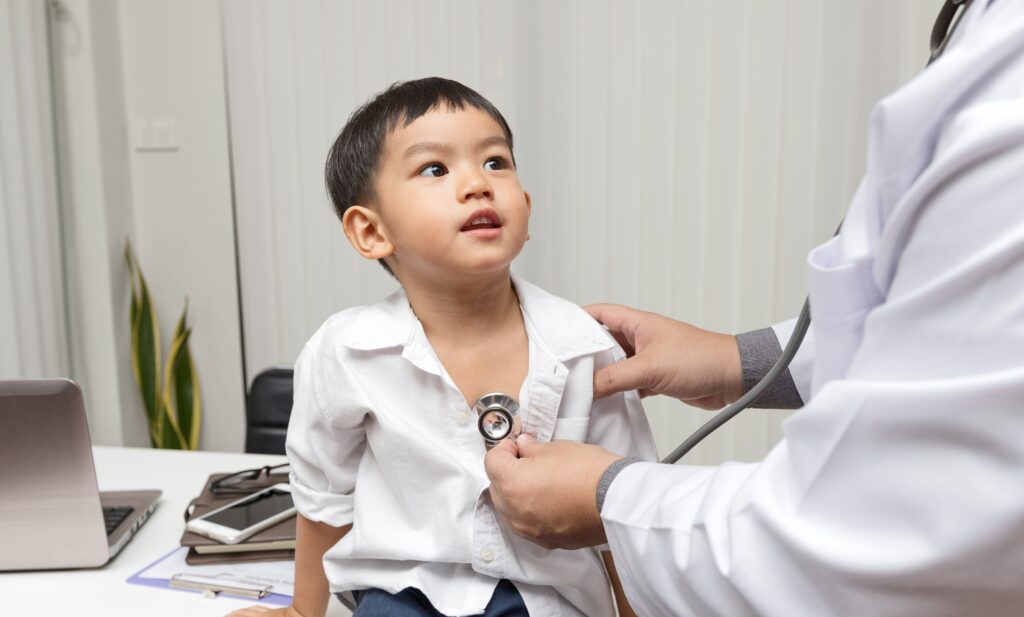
(683, 156)
(96, 213)
(121, 62)
(184, 230)
(33, 333)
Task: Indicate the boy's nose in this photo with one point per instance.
(475, 186)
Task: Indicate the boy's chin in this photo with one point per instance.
(494, 263)
(480, 269)
(484, 270)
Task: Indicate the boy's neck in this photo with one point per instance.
(469, 311)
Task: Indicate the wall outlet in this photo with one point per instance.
(155, 134)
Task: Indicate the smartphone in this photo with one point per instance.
(240, 519)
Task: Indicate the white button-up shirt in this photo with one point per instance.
(375, 409)
(897, 489)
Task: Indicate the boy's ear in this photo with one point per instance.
(365, 232)
(529, 211)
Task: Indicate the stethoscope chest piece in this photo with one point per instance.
(497, 417)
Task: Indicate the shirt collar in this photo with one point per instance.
(565, 330)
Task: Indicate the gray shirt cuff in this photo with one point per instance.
(759, 349)
(608, 476)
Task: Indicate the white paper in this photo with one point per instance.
(280, 575)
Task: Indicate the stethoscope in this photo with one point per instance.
(498, 414)
(497, 418)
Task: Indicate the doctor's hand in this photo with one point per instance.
(547, 492)
(666, 356)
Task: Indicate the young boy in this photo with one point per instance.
(387, 461)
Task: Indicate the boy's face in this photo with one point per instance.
(449, 201)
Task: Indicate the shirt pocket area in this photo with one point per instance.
(571, 429)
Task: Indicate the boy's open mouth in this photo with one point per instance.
(485, 218)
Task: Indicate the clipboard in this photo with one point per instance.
(270, 582)
(210, 586)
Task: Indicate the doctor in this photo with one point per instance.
(898, 489)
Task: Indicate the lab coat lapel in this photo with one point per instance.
(846, 280)
(905, 126)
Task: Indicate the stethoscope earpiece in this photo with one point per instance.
(497, 417)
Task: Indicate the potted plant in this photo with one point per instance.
(171, 394)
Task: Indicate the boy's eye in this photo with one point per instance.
(433, 170)
(496, 162)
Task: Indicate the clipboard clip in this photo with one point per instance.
(210, 586)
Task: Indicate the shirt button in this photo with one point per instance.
(462, 418)
(487, 554)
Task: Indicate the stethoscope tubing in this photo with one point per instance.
(803, 322)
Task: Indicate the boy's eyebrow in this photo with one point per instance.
(433, 146)
(494, 140)
(425, 146)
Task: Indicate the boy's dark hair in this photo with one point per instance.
(354, 157)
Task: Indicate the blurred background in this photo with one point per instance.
(683, 157)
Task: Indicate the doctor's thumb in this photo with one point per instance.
(624, 375)
(501, 459)
(526, 443)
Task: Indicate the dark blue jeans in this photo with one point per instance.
(506, 602)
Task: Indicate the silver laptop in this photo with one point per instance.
(51, 513)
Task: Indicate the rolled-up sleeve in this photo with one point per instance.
(325, 440)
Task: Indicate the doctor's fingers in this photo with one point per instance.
(500, 461)
(636, 373)
(501, 465)
(622, 322)
(517, 485)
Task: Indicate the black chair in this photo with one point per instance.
(267, 411)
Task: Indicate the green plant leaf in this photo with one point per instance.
(146, 356)
(182, 392)
(174, 410)
(170, 434)
(133, 310)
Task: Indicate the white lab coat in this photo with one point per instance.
(899, 488)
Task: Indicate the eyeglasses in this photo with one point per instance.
(248, 480)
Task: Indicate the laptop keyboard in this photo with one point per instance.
(113, 516)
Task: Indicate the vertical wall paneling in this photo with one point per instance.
(178, 200)
(682, 156)
(33, 335)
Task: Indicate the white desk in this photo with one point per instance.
(103, 591)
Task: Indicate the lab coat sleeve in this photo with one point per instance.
(896, 490)
(803, 361)
(759, 351)
(325, 439)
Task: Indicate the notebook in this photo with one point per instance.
(52, 514)
(273, 543)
